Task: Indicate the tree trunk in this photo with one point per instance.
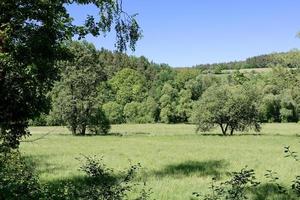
(223, 130)
(226, 127)
(73, 130)
(231, 131)
(83, 129)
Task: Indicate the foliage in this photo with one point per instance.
(32, 39)
(168, 104)
(128, 85)
(144, 112)
(230, 107)
(18, 179)
(76, 93)
(114, 112)
(174, 92)
(234, 189)
(98, 183)
(98, 122)
(289, 59)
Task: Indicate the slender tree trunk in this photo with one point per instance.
(231, 131)
(83, 130)
(223, 130)
(226, 127)
(73, 128)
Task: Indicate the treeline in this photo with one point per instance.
(287, 59)
(103, 87)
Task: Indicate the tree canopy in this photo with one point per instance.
(32, 40)
(231, 108)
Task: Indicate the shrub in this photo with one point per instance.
(99, 183)
(234, 189)
(18, 179)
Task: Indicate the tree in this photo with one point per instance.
(129, 85)
(132, 112)
(98, 122)
(144, 112)
(168, 104)
(184, 106)
(270, 108)
(231, 108)
(288, 110)
(32, 35)
(114, 112)
(76, 96)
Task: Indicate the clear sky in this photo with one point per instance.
(189, 32)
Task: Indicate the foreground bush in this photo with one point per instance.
(243, 184)
(18, 179)
(99, 183)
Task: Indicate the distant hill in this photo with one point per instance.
(289, 59)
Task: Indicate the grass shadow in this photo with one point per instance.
(42, 165)
(270, 191)
(199, 168)
(234, 135)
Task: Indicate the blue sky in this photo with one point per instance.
(189, 32)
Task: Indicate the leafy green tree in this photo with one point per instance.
(183, 76)
(151, 110)
(288, 110)
(132, 112)
(184, 107)
(144, 112)
(98, 122)
(229, 107)
(32, 36)
(114, 112)
(270, 108)
(239, 78)
(168, 104)
(196, 88)
(129, 85)
(164, 74)
(76, 98)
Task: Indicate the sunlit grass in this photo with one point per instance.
(176, 161)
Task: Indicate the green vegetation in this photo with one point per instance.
(133, 90)
(34, 36)
(175, 161)
(289, 59)
(47, 79)
(231, 108)
(75, 96)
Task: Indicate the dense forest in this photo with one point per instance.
(287, 59)
(100, 86)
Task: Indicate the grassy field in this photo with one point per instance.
(176, 162)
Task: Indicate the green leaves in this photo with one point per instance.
(230, 107)
(33, 35)
(75, 97)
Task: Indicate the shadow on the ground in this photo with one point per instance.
(270, 191)
(42, 164)
(236, 134)
(213, 168)
(119, 134)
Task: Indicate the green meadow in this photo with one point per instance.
(175, 160)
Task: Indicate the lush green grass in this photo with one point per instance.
(175, 160)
